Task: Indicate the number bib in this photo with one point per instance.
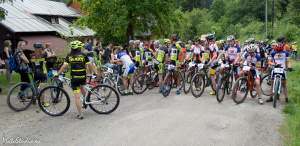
(160, 56)
(137, 56)
(174, 54)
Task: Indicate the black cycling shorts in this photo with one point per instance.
(77, 83)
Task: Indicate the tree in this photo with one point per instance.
(293, 11)
(217, 9)
(119, 20)
(2, 11)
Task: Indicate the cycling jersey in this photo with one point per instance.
(161, 54)
(77, 61)
(125, 58)
(232, 53)
(251, 60)
(174, 54)
(280, 57)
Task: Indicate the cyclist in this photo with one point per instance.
(161, 57)
(213, 53)
(79, 63)
(121, 56)
(280, 56)
(251, 58)
(174, 52)
(232, 53)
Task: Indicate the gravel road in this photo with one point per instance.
(150, 120)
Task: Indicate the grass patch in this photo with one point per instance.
(4, 83)
(291, 127)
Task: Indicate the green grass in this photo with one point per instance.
(4, 83)
(291, 127)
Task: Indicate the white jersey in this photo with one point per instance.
(197, 49)
(125, 58)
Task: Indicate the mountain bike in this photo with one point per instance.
(225, 81)
(23, 94)
(278, 73)
(172, 78)
(147, 79)
(102, 99)
(198, 80)
(243, 85)
(113, 78)
(188, 73)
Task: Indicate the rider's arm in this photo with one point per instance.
(64, 66)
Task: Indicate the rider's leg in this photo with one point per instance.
(78, 101)
(258, 89)
(213, 80)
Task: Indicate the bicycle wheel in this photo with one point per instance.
(139, 85)
(58, 102)
(187, 83)
(20, 96)
(276, 92)
(266, 84)
(197, 85)
(230, 84)
(153, 82)
(221, 88)
(240, 90)
(101, 102)
(167, 86)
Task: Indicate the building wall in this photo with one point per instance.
(5, 34)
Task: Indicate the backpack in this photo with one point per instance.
(13, 66)
(15, 63)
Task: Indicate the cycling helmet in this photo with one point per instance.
(210, 36)
(76, 45)
(230, 38)
(252, 48)
(167, 41)
(38, 45)
(131, 41)
(279, 48)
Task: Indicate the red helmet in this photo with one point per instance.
(279, 48)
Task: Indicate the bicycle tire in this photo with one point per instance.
(141, 83)
(167, 86)
(187, 81)
(55, 101)
(236, 86)
(276, 95)
(269, 82)
(154, 82)
(221, 88)
(115, 106)
(27, 103)
(198, 80)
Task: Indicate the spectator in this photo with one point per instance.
(107, 54)
(89, 45)
(51, 57)
(7, 52)
(23, 62)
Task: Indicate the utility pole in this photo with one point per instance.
(273, 17)
(266, 19)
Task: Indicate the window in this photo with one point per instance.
(54, 20)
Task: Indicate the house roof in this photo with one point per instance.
(24, 19)
(45, 7)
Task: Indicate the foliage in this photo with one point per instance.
(291, 127)
(119, 20)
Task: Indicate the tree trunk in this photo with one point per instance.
(130, 31)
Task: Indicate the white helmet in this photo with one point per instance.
(252, 48)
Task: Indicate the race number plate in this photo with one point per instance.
(246, 68)
(171, 67)
(200, 66)
(278, 70)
